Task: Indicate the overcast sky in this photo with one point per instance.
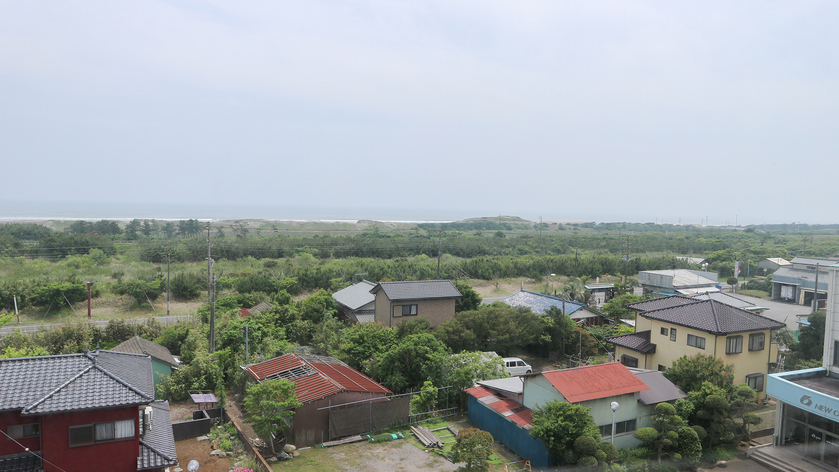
(592, 110)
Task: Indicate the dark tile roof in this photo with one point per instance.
(713, 317)
(132, 368)
(157, 446)
(418, 289)
(661, 302)
(639, 341)
(138, 345)
(52, 384)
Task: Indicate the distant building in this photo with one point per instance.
(677, 282)
(540, 303)
(356, 303)
(433, 300)
(700, 261)
(796, 282)
(773, 264)
(162, 361)
(731, 300)
(601, 292)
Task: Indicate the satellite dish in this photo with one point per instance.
(192, 466)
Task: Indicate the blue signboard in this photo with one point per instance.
(781, 387)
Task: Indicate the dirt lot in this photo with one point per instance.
(192, 449)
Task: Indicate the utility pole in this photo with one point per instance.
(816, 290)
(88, 299)
(168, 293)
(439, 250)
(210, 299)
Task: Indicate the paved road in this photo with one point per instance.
(12, 327)
(779, 311)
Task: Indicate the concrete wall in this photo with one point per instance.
(199, 425)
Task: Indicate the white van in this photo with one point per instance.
(516, 366)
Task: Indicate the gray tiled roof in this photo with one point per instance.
(639, 341)
(713, 317)
(661, 389)
(418, 290)
(157, 446)
(26, 462)
(138, 345)
(51, 384)
(355, 296)
(132, 368)
(661, 302)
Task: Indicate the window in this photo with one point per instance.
(672, 334)
(24, 430)
(664, 331)
(756, 341)
(734, 344)
(696, 341)
(755, 381)
(835, 352)
(87, 434)
(405, 310)
(621, 427)
(629, 361)
(81, 435)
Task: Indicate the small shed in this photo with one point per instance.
(204, 400)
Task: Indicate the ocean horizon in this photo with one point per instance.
(95, 211)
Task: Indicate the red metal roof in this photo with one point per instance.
(595, 381)
(316, 377)
(510, 409)
(479, 392)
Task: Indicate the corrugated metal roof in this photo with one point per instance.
(713, 317)
(813, 261)
(594, 381)
(540, 303)
(418, 290)
(315, 377)
(724, 298)
(508, 408)
(683, 278)
(355, 296)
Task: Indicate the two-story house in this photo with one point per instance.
(83, 412)
(433, 300)
(671, 327)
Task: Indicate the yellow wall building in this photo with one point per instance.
(671, 327)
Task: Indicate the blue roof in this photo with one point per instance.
(539, 303)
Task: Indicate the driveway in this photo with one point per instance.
(778, 311)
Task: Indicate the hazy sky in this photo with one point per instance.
(593, 110)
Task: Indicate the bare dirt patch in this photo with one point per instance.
(193, 449)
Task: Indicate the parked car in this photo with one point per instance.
(516, 366)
